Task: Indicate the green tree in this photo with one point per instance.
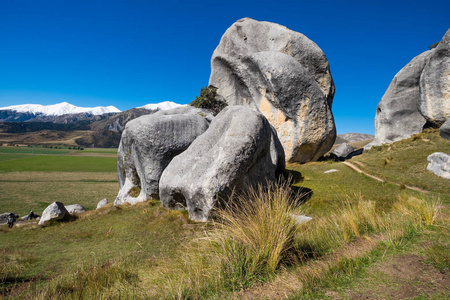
(209, 99)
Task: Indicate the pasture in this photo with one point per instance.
(32, 178)
(363, 230)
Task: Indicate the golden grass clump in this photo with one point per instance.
(255, 233)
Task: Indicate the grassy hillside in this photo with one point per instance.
(367, 240)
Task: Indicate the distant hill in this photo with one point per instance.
(32, 111)
(87, 129)
(352, 137)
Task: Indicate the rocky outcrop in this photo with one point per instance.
(285, 76)
(418, 96)
(148, 145)
(75, 209)
(439, 164)
(444, 131)
(240, 149)
(55, 211)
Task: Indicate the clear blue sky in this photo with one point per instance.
(129, 53)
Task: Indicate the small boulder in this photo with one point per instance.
(147, 146)
(342, 151)
(444, 131)
(439, 164)
(4, 217)
(300, 219)
(102, 203)
(75, 209)
(55, 211)
(30, 216)
(240, 149)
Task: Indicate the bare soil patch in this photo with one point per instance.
(403, 277)
(414, 188)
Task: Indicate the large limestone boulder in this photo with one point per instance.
(239, 149)
(285, 76)
(418, 97)
(147, 146)
(439, 164)
(55, 211)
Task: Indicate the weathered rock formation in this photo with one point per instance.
(239, 149)
(55, 211)
(439, 164)
(285, 76)
(148, 145)
(418, 96)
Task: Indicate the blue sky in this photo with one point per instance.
(130, 53)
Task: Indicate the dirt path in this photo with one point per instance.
(288, 283)
(349, 164)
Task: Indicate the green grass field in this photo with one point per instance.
(367, 240)
(33, 181)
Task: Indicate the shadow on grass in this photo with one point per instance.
(300, 195)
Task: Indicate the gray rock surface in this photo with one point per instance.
(398, 116)
(444, 130)
(102, 203)
(55, 211)
(285, 76)
(418, 97)
(239, 149)
(75, 209)
(343, 150)
(148, 145)
(434, 101)
(439, 164)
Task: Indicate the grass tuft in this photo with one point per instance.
(255, 234)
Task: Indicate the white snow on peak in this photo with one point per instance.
(161, 106)
(59, 109)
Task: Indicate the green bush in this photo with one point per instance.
(209, 99)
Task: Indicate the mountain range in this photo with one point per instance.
(65, 124)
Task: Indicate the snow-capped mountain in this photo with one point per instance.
(161, 106)
(60, 109)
